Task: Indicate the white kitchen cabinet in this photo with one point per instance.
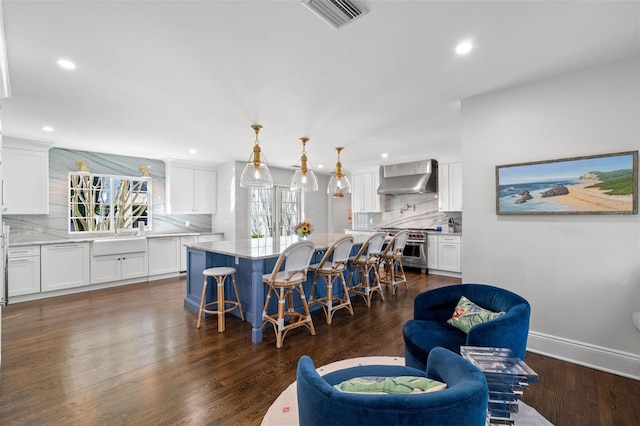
(118, 267)
(449, 253)
(24, 270)
(184, 241)
(25, 177)
(450, 187)
(64, 266)
(164, 255)
(364, 191)
(432, 252)
(192, 189)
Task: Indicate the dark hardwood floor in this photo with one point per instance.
(133, 355)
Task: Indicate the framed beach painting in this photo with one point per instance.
(597, 184)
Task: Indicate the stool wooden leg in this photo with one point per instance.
(280, 328)
(328, 279)
(204, 292)
(347, 299)
(235, 288)
(306, 310)
(220, 304)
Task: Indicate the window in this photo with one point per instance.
(105, 203)
(274, 212)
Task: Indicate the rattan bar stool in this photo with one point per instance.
(363, 264)
(390, 267)
(295, 259)
(330, 269)
(220, 274)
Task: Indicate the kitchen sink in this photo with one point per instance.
(118, 245)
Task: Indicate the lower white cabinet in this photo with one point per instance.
(117, 267)
(64, 266)
(164, 255)
(24, 270)
(184, 241)
(444, 253)
(449, 253)
(432, 251)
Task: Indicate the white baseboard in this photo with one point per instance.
(605, 359)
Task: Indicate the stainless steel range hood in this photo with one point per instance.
(416, 177)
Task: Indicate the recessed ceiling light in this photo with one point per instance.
(385, 155)
(47, 128)
(464, 48)
(66, 64)
(192, 151)
(320, 166)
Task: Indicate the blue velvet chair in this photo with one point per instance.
(428, 329)
(463, 402)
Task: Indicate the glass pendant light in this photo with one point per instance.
(339, 183)
(256, 173)
(304, 178)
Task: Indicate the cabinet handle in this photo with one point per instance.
(12, 261)
(18, 251)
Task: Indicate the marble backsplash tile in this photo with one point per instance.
(61, 161)
(407, 211)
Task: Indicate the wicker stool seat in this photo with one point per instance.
(390, 267)
(330, 269)
(222, 305)
(364, 264)
(294, 262)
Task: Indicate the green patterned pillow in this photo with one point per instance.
(390, 385)
(467, 314)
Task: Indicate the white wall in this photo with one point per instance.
(581, 273)
(233, 209)
(224, 220)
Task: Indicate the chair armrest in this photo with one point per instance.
(509, 331)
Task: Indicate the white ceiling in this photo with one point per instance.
(156, 78)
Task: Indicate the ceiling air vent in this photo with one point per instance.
(337, 13)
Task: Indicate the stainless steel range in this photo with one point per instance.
(415, 252)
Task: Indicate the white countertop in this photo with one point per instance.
(89, 238)
(263, 248)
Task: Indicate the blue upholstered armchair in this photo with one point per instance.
(463, 402)
(433, 308)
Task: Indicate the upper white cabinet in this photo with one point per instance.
(192, 189)
(25, 166)
(364, 191)
(450, 187)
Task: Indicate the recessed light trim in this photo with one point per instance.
(66, 64)
(47, 128)
(464, 47)
(384, 155)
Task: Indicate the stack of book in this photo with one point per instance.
(507, 378)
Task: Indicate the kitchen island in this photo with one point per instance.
(252, 258)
